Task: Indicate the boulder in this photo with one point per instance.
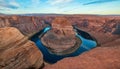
(17, 52)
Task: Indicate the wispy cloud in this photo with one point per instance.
(98, 2)
(54, 2)
(1, 9)
(35, 3)
(14, 3)
(9, 4)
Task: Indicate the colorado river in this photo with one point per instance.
(86, 45)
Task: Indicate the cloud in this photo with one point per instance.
(98, 2)
(35, 3)
(1, 9)
(54, 2)
(12, 4)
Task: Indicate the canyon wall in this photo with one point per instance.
(27, 24)
(103, 28)
(17, 52)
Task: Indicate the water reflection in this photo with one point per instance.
(86, 45)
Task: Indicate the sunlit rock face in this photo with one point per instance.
(17, 52)
(98, 58)
(62, 27)
(61, 38)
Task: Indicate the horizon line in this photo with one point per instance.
(54, 14)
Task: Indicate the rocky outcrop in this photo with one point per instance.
(98, 58)
(62, 27)
(61, 38)
(26, 24)
(17, 52)
(4, 22)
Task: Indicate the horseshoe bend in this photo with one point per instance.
(59, 42)
(61, 37)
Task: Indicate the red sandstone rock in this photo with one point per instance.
(63, 26)
(29, 24)
(26, 24)
(61, 38)
(98, 58)
(17, 52)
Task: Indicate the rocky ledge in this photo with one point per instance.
(17, 52)
(98, 58)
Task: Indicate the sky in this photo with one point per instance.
(60, 6)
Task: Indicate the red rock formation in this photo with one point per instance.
(17, 52)
(28, 24)
(63, 26)
(98, 58)
(61, 37)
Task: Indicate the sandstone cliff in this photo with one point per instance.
(98, 58)
(17, 52)
(28, 24)
(101, 26)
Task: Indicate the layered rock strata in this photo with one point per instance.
(17, 52)
(61, 38)
(98, 58)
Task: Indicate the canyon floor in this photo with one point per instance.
(18, 52)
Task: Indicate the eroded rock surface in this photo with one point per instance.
(17, 52)
(26, 24)
(30, 24)
(98, 58)
(62, 36)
